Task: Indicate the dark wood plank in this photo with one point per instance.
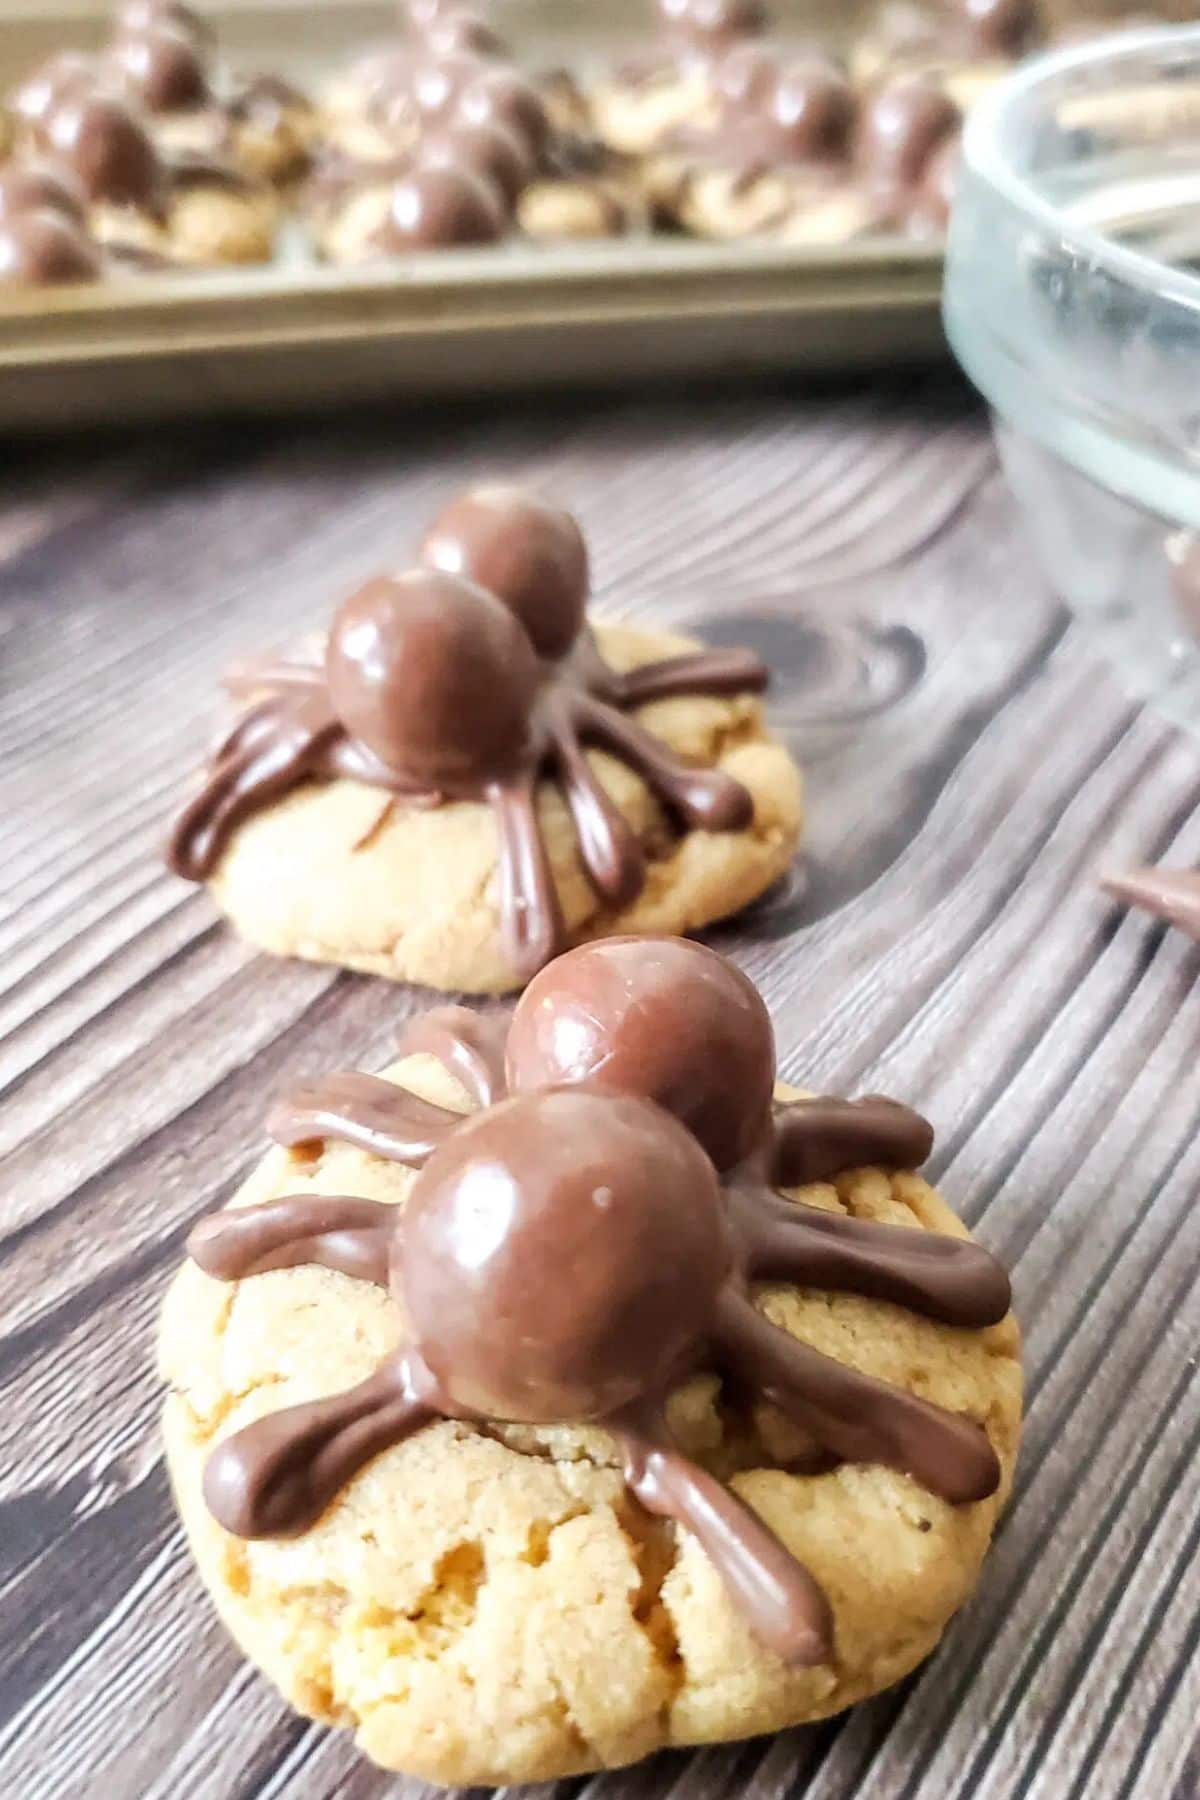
(971, 765)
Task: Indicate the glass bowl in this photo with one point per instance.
(1072, 304)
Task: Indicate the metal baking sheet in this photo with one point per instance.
(295, 334)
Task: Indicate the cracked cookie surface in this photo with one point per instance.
(336, 872)
(489, 1605)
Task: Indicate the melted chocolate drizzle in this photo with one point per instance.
(277, 1476)
(292, 734)
(365, 1110)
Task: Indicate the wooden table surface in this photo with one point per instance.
(971, 764)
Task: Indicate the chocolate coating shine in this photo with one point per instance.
(901, 128)
(492, 151)
(34, 184)
(455, 30)
(478, 93)
(1000, 27)
(163, 67)
(530, 554)
(661, 1017)
(441, 203)
(59, 77)
(585, 1233)
(433, 674)
(108, 148)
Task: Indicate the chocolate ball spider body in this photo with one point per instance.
(68, 73)
(162, 66)
(660, 1017)
(148, 15)
(901, 128)
(433, 674)
(560, 1257)
(451, 31)
(530, 554)
(713, 25)
(438, 203)
(107, 147)
(1000, 27)
(492, 151)
(35, 184)
(45, 247)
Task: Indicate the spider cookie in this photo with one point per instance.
(537, 1404)
(262, 126)
(187, 209)
(162, 62)
(468, 775)
(672, 85)
(773, 149)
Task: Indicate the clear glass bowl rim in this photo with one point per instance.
(987, 130)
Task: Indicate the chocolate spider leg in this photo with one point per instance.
(820, 1135)
(529, 908)
(945, 1278)
(243, 783)
(860, 1419)
(469, 1047)
(330, 1231)
(250, 729)
(696, 672)
(705, 798)
(365, 1110)
(275, 1478)
(784, 1604)
(610, 850)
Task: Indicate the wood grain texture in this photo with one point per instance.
(971, 766)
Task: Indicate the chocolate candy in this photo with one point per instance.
(902, 126)
(433, 674)
(40, 247)
(478, 93)
(814, 107)
(163, 67)
(438, 204)
(492, 151)
(713, 24)
(57, 79)
(528, 553)
(34, 184)
(560, 1256)
(107, 147)
(1000, 27)
(661, 1017)
(453, 31)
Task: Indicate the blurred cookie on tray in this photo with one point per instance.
(438, 139)
(964, 46)
(188, 208)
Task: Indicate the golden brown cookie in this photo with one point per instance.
(335, 873)
(564, 208)
(488, 1605)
